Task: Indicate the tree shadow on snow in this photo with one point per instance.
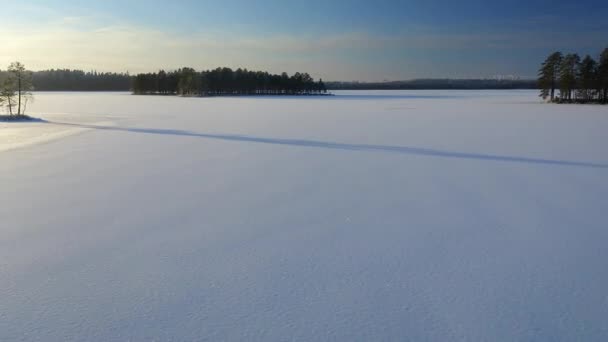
(342, 146)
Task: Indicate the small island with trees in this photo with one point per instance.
(578, 81)
(225, 82)
(15, 92)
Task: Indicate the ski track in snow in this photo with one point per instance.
(376, 215)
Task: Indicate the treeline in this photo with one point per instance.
(78, 80)
(225, 81)
(436, 84)
(578, 80)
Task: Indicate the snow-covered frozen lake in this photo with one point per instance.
(367, 216)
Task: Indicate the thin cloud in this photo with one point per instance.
(81, 42)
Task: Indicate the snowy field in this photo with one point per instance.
(367, 216)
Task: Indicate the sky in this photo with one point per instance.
(334, 40)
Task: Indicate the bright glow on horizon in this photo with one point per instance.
(97, 40)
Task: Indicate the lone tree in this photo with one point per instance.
(548, 75)
(16, 89)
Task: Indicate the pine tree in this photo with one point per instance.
(587, 77)
(567, 76)
(548, 75)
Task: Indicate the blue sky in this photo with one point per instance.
(335, 40)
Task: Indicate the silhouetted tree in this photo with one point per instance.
(586, 79)
(567, 76)
(548, 75)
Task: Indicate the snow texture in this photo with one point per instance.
(367, 216)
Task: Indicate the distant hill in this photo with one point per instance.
(422, 84)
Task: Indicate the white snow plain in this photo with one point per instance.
(367, 216)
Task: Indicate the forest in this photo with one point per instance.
(577, 80)
(225, 81)
(78, 80)
(184, 81)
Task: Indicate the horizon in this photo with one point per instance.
(341, 41)
(512, 78)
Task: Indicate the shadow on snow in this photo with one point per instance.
(342, 146)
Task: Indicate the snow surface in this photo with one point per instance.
(418, 215)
